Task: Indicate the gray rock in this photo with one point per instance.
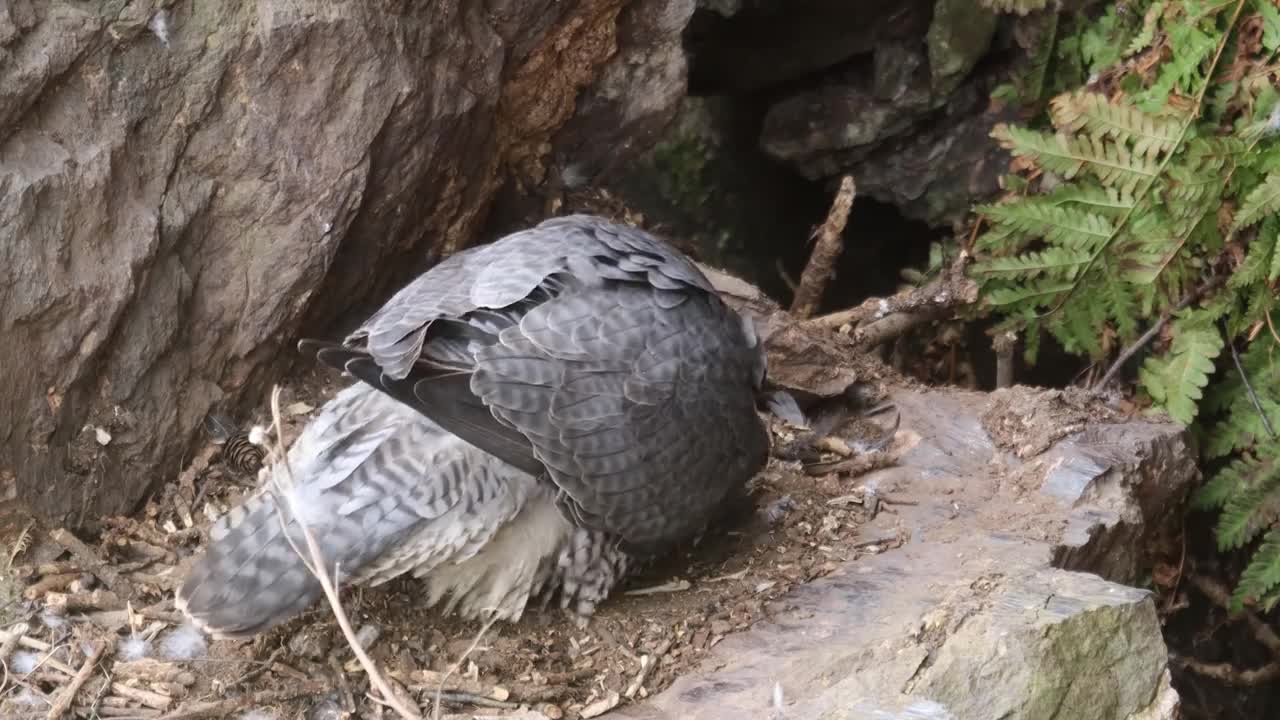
(765, 43)
(185, 184)
(959, 35)
(972, 617)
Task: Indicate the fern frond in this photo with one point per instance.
(1223, 486)
(1070, 227)
(1262, 201)
(1148, 32)
(1262, 574)
(1092, 113)
(1052, 262)
(1039, 292)
(1270, 26)
(1177, 381)
(1191, 47)
(1253, 508)
(1110, 162)
(1108, 201)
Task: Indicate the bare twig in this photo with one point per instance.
(68, 694)
(826, 251)
(453, 668)
(1229, 674)
(48, 584)
(90, 561)
(880, 320)
(1214, 590)
(224, 708)
(1151, 333)
(1248, 386)
(1003, 344)
(150, 698)
(284, 486)
(9, 639)
(459, 698)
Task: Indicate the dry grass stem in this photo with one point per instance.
(283, 485)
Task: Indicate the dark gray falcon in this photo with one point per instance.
(533, 417)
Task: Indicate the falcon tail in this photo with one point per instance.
(250, 577)
(386, 492)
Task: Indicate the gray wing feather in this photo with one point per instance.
(383, 490)
(635, 395)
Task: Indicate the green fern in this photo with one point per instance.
(1261, 578)
(1176, 382)
(1262, 201)
(1154, 192)
(1110, 162)
(1092, 113)
(1143, 39)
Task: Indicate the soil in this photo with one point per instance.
(801, 526)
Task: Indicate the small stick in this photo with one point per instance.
(27, 572)
(1152, 331)
(285, 485)
(1220, 597)
(1230, 675)
(151, 699)
(63, 603)
(821, 266)
(89, 560)
(459, 698)
(68, 694)
(453, 668)
(224, 708)
(1003, 345)
(9, 643)
(48, 584)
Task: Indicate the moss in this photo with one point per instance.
(680, 168)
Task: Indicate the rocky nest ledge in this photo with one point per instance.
(980, 565)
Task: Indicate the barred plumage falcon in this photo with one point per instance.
(532, 418)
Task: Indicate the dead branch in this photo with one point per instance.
(462, 698)
(49, 583)
(224, 708)
(1003, 344)
(68, 694)
(90, 561)
(826, 251)
(283, 486)
(1152, 332)
(155, 670)
(1229, 674)
(9, 639)
(879, 320)
(29, 572)
(149, 698)
(1219, 595)
(453, 668)
(63, 603)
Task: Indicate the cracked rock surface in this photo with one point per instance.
(184, 185)
(1007, 600)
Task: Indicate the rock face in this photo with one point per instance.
(895, 93)
(911, 125)
(185, 184)
(974, 616)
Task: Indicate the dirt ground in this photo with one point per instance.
(115, 595)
